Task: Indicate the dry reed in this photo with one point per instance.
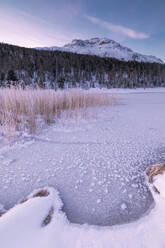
(21, 109)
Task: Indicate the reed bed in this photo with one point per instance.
(22, 109)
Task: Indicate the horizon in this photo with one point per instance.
(136, 25)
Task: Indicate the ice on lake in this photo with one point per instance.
(97, 166)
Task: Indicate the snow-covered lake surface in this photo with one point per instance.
(97, 165)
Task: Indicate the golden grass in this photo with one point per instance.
(21, 109)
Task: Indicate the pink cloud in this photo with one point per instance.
(118, 28)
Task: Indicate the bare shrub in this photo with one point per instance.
(20, 109)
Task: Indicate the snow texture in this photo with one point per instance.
(104, 47)
(23, 226)
(97, 164)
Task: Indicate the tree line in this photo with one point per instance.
(56, 69)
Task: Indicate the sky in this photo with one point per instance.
(137, 24)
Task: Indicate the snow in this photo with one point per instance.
(160, 184)
(97, 165)
(129, 90)
(123, 206)
(104, 47)
(101, 158)
(24, 226)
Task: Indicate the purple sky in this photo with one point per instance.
(136, 24)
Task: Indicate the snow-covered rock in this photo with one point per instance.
(39, 222)
(104, 47)
(156, 175)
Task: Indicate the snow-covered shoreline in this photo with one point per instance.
(129, 90)
(42, 224)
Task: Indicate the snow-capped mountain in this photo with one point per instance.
(104, 47)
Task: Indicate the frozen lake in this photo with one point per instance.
(97, 166)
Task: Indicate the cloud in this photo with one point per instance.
(118, 28)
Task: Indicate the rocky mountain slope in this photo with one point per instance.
(104, 47)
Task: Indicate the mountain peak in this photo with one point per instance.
(105, 47)
(92, 41)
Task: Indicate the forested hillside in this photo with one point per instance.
(55, 69)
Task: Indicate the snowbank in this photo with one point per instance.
(128, 91)
(38, 221)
